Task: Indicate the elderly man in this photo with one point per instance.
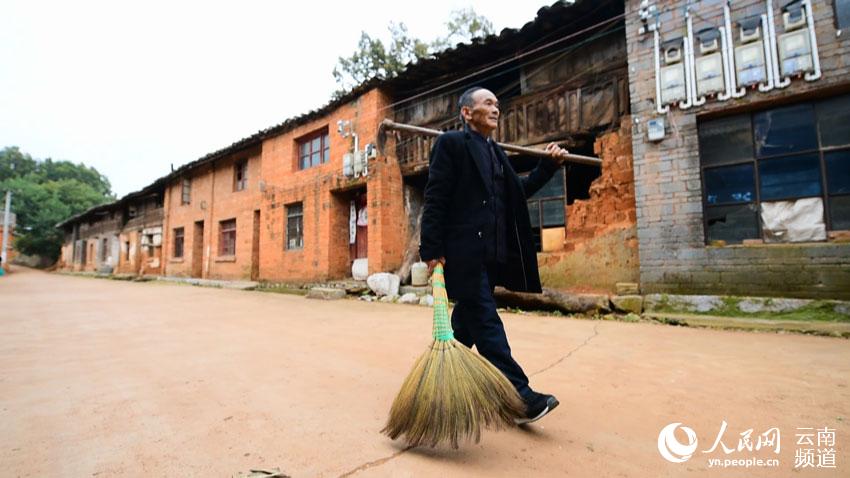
(476, 224)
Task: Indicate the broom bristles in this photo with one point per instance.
(450, 394)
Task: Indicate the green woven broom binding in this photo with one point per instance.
(442, 325)
(451, 392)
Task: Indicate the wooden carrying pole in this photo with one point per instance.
(573, 158)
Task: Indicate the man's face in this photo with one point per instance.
(483, 116)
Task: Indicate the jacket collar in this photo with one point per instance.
(476, 158)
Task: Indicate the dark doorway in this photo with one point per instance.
(255, 248)
(198, 249)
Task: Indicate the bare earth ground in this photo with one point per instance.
(106, 378)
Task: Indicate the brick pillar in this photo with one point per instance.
(387, 221)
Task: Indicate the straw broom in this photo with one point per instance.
(451, 392)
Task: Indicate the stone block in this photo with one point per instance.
(627, 288)
(682, 303)
(325, 293)
(628, 303)
(409, 298)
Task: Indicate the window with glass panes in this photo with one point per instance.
(227, 238)
(314, 149)
(186, 192)
(295, 226)
(546, 206)
(178, 242)
(782, 154)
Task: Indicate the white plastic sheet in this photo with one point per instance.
(793, 221)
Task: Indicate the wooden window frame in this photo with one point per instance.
(324, 149)
(227, 238)
(179, 243)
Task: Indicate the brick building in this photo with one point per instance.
(294, 202)
(277, 207)
(745, 194)
(123, 237)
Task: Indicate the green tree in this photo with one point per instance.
(372, 59)
(46, 193)
(462, 27)
(13, 163)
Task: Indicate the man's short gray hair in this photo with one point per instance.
(466, 100)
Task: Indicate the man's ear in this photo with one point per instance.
(465, 113)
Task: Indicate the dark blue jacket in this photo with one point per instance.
(457, 216)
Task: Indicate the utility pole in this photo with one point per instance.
(6, 225)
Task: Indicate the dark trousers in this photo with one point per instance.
(476, 322)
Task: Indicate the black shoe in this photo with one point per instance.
(537, 406)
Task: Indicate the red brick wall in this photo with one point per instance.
(213, 199)
(612, 194)
(273, 182)
(601, 246)
(325, 195)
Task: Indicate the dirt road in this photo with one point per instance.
(107, 378)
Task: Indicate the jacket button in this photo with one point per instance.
(480, 235)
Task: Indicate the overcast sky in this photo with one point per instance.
(134, 87)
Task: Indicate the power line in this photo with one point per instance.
(503, 62)
(557, 54)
